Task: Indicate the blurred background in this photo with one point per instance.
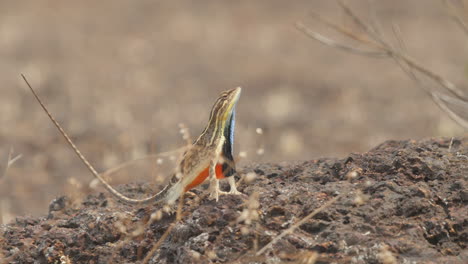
(122, 75)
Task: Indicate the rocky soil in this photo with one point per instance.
(401, 202)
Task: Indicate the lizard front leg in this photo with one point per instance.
(233, 188)
(214, 182)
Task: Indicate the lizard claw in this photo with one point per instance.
(234, 192)
(232, 184)
(214, 195)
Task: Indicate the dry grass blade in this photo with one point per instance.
(178, 218)
(456, 16)
(10, 161)
(358, 21)
(395, 53)
(299, 223)
(462, 104)
(405, 62)
(374, 22)
(154, 216)
(7, 162)
(444, 102)
(13, 160)
(332, 43)
(397, 33)
(344, 31)
(149, 157)
(452, 88)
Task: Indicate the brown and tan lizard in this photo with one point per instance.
(210, 156)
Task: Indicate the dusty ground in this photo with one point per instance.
(121, 75)
(407, 203)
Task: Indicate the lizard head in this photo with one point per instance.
(222, 116)
(224, 108)
(226, 104)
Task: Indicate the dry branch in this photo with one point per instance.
(456, 16)
(178, 218)
(10, 162)
(334, 44)
(380, 48)
(299, 223)
(151, 157)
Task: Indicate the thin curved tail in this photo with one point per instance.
(156, 197)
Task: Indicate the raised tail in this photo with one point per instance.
(160, 195)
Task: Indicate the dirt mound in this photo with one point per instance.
(402, 201)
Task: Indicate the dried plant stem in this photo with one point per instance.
(441, 100)
(178, 218)
(455, 15)
(438, 98)
(358, 21)
(345, 31)
(334, 44)
(299, 223)
(382, 49)
(150, 157)
(9, 163)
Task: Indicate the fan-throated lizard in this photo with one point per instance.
(209, 156)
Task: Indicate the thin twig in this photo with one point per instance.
(436, 77)
(15, 159)
(167, 232)
(442, 101)
(397, 33)
(344, 31)
(150, 157)
(10, 162)
(374, 22)
(152, 219)
(450, 145)
(357, 20)
(437, 98)
(414, 64)
(3, 175)
(454, 101)
(299, 223)
(404, 61)
(403, 66)
(455, 15)
(332, 43)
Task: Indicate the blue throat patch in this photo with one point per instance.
(232, 125)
